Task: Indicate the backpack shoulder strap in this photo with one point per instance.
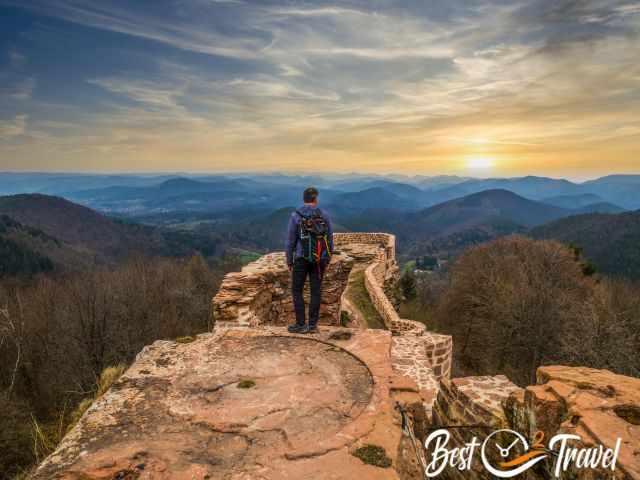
(318, 213)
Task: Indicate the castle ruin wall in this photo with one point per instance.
(132, 429)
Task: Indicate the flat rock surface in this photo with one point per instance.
(303, 390)
(180, 411)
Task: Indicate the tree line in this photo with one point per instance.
(59, 333)
(515, 304)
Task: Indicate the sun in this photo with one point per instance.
(480, 163)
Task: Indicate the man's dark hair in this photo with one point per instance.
(310, 194)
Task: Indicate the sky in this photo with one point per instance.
(483, 88)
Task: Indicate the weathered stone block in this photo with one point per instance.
(261, 293)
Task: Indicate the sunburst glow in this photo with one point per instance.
(480, 163)
(410, 87)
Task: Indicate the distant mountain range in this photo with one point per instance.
(59, 183)
(181, 215)
(220, 194)
(535, 188)
(453, 225)
(573, 201)
(214, 195)
(626, 195)
(479, 206)
(461, 213)
(620, 190)
(374, 197)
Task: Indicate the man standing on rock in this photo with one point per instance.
(308, 247)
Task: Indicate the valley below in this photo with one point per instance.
(519, 272)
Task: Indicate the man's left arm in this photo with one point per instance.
(329, 231)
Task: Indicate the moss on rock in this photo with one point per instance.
(185, 339)
(373, 455)
(246, 384)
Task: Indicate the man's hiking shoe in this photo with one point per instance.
(310, 329)
(295, 328)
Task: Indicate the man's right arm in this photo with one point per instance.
(292, 239)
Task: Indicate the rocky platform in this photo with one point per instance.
(181, 411)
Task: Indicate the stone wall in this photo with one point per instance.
(475, 403)
(421, 355)
(380, 273)
(597, 405)
(260, 294)
(438, 349)
(384, 252)
(374, 281)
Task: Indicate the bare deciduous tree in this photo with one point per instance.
(515, 304)
(59, 334)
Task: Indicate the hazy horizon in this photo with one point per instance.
(158, 173)
(487, 88)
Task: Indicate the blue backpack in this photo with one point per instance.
(313, 233)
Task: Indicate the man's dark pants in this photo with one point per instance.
(302, 268)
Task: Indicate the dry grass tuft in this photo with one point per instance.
(107, 378)
(185, 339)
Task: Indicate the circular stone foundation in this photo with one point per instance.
(277, 393)
(218, 408)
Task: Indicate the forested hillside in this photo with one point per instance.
(16, 257)
(515, 304)
(75, 236)
(81, 294)
(610, 241)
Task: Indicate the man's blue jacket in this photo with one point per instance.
(292, 246)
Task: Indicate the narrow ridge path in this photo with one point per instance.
(356, 301)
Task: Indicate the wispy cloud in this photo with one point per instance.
(12, 128)
(183, 34)
(385, 85)
(143, 91)
(317, 12)
(16, 58)
(19, 89)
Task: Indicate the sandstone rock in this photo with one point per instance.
(475, 404)
(261, 293)
(597, 405)
(177, 412)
